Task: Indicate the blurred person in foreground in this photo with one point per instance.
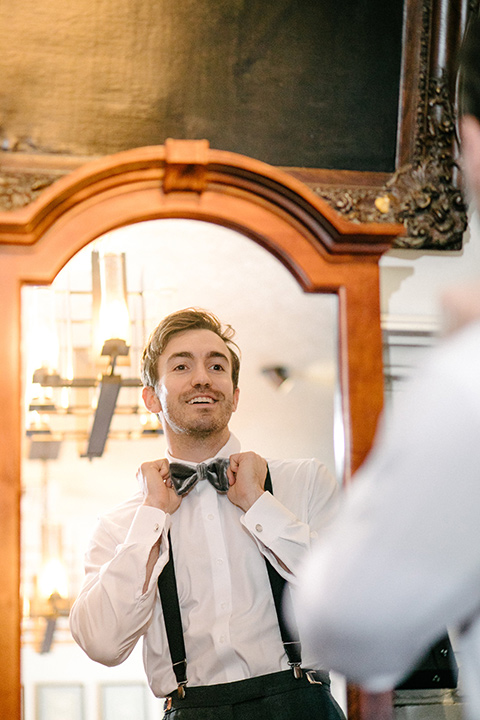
(401, 562)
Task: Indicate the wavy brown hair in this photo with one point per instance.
(180, 321)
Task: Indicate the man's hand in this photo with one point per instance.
(246, 475)
(154, 478)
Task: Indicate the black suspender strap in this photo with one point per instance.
(291, 642)
(167, 588)
(173, 622)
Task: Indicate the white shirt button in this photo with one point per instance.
(258, 527)
(210, 516)
(156, 527)
(222, 638)
(219, 561)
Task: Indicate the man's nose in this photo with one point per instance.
(200, 375)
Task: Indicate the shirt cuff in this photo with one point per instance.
(267, 519)
(147, 526)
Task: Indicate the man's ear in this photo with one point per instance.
(151, 400)
(236, 394)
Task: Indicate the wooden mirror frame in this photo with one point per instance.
(183, 179)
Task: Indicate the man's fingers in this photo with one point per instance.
(234, 462)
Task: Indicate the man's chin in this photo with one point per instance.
(201, 422)
(203, 431)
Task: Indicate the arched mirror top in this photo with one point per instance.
(188, 179)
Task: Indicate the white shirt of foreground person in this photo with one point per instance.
(401, 562)
(230, 625)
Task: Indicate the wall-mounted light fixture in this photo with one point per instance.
(90, 334)
(110, 314)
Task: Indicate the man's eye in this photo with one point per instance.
(182, 366)
(217, 366)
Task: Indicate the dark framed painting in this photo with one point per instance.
(356, 99)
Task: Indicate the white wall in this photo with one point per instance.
(411, 287)
(412, 281)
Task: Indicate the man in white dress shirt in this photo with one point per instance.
(401, 563)
(222, 543)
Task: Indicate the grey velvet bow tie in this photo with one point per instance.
(185, 477)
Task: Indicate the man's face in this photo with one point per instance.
(195, 387)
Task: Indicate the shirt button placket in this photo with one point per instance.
(220, 575)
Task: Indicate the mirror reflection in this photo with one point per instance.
(86, 434)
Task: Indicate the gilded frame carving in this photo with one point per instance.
(424, 192)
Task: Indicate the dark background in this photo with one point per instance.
(310, 83)
(295, 83)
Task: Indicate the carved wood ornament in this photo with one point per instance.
(425, 189)
(424, 193)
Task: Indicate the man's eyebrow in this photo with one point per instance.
(181, 354)
(217, 354)
(187, 354)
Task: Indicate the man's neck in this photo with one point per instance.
(194, 449)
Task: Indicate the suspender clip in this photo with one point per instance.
(180, 669)
(297, 670)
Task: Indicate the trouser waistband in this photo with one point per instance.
(244, 690)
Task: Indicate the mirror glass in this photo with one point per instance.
(289, 396)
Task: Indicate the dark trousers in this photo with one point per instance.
(278, 696)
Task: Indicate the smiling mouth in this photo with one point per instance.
(202, 400)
